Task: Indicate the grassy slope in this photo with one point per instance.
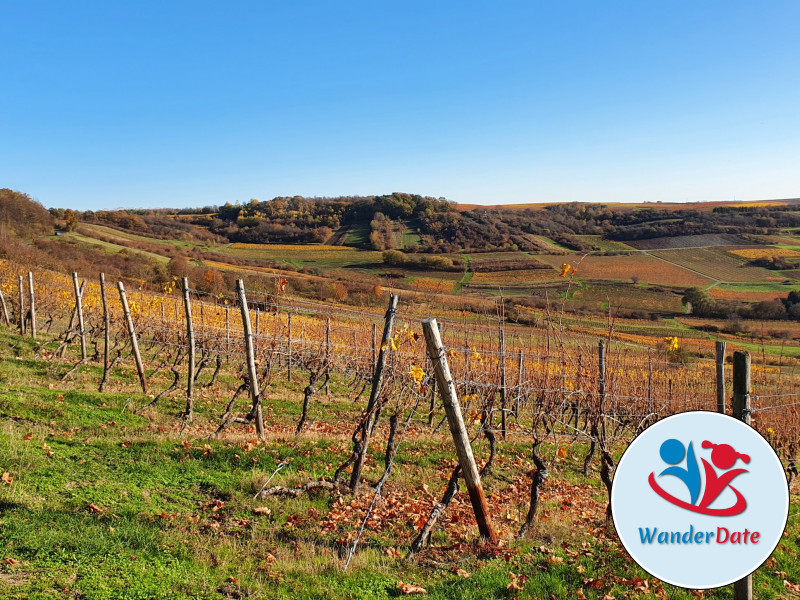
(107, 504)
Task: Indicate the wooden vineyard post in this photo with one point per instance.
(433, 386)
(327, 355)
(503, 393)
(469, 469)
(601, 371)
(79, 311)
(719, 347)
(374, 345)
(5, 309)
(106, 329)
(123, 298)
(21, 308)
(289, 349)
(742, 589)
(228, 329)
(650, 385)
(377, 382)
(33, 304)
(187, 306)
(252, 374)
(518, 395)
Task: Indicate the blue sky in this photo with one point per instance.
(142, 104)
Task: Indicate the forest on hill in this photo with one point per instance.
(416, 223)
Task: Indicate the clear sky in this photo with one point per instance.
(139, 104)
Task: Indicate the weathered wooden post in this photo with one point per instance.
(377, 381)
(79, 311)
(455, 419)
(518, 395)
(289, 349)
(5, 309)
(719, 348)
(132, 333)
(252, 374)
(650, 385)
(21, 307)
(33, 304)
(742, 589)
(228, 328)
(187, 306)
(106, 330)
(327, 355)
(503, 394)
(374, 344)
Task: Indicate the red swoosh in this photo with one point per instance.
(737, 508)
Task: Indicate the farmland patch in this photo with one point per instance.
(645, 268)
(709, 240)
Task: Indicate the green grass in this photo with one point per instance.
(108, 504)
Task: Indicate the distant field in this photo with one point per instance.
(623, 268)
(689, 241)
(747, 295)
(716, 264)
(305, 255)
(629, 296)
(548, 245)
(430, 284)
(86, 240)
(116, 234)
(768, 252)
(504, 261)
(605, 245)
(518, 277)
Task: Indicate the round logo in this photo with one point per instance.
(700, 500)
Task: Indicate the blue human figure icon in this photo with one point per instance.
(672, 453)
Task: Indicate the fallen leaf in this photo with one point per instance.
(562, 452)
(12, 562)
(461, 573)
(125, 444)
(6, 478)
(262, 510)
(28, 437)
(93, 508)
(408, 588)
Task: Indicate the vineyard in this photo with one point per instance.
(312, 449)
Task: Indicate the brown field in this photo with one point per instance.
(710, 240)
(716, 264)
(515, 277)
(622, 268)
(630, 297)
(746, 296)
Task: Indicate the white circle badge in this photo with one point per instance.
(700, 500)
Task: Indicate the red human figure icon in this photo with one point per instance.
(724, 457)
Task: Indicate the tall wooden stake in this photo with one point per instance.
(742, 589)
(79, 311)
(5, 309)
(327, 355)
(289, 349)
(455, 419)
(106, 329)
(252, 374)
(187, 306)
(503, 394)
(21, 307)
(719, 347)
(33, 304)
(123, 298)
(374, 345)
(377, 381)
